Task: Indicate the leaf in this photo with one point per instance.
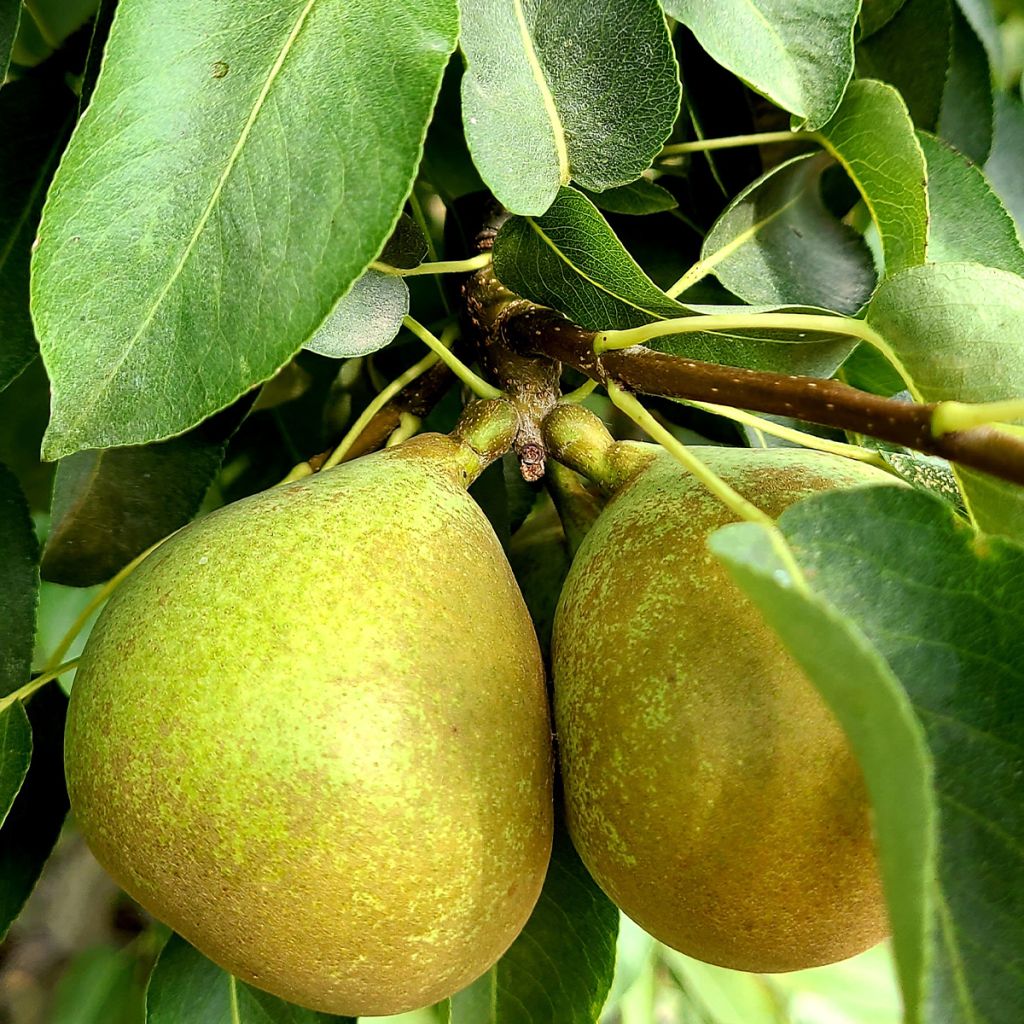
(967, 222)
(967, 111)
(723, 995)
(19, 585)
(873, 137)
(939, 608)
(777, 243)
(1007, 156)
(559, 969)
(215, 201)
(35, 820)
(570, 259)
(560, 89)
(799, 53)
(10, 16)
(35, 118)
(957, 329)
(365, 320)
(110, 504)
(979, 14)
(637, 198)
(99, 987)
(185, 986)
(874, 14)
(912, 53)
(15, 754)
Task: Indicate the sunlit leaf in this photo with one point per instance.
(215, 202)
(799, 53)
(560, 89)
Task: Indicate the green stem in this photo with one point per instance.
(465, 266)
(605, 341)
(419, 215)
(98, 598)
(580, 393)
(378, 403)
(731, 498)
(820, 444)
(26, 691)
(949, 417)
(733, 141)
(408, 426)
(476, 384)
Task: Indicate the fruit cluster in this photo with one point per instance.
(311, 732)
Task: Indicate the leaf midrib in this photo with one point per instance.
(86, 408)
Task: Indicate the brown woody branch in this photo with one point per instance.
(533, 329)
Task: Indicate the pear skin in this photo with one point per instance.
(709, 789)
(310, 734)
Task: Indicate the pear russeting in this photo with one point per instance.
(310, 733)
(709, 789)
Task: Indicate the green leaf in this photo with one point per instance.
(980, 15)
(19, 584)
(15, 754)
(965, 119)
(777, 243)
(723, 995)
(559, 969)
(560, 89)
(110, 504)
(938, 607)
(912, 53)
(570, 259)
(873, 137)
(874, 14)
(10, 16)
(101, 986)
(968, 221)
(799, 53)
(637, 198)
(35, 118)
(35, 820)
(1007, 157)
(238, 168)
(185, 986)
(957, 329)
(364, 320)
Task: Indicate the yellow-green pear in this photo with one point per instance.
(709, 789)
(310, 734)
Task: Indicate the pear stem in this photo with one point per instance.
(475, 383)
(487, 430)
(26, 691)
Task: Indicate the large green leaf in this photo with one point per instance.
(15, 754)
(19, 584)
(185, 986)
(777, 243)
(559, 969)
(967, 221)
(896, 575)
(570, 259)
(1007, 156)
(561, 89)
(35, 820)
(799, 53)
(237, 169)
(110, 504)
(912, 53)
(957, 329)
(873, 137)
(35, 118)
(965, 118)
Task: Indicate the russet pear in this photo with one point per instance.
(310, 734)
(709, 789)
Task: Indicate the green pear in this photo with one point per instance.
(709, 789)
(310, 734)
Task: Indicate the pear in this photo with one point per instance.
(709, 789)
(310, 734)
